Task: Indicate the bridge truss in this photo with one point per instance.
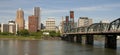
(98, 27)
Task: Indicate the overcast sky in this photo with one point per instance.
(95, 9)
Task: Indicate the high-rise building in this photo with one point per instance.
(84, 21)
(4, 27)
(62, 25)
(32, 21)
(67, 20)
(37, 14)
(67, 24)
(72, 19)
(20, 19)
(12, 27)
(50, 24)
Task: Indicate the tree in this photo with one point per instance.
(54, 34)
(6, 33)
(37, 35)
(23, 32)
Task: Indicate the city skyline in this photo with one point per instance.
(97, 10)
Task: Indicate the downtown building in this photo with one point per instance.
(4, 28)
(69, 22)
(11, 27)
(37, 14)
(32, 23)
(71, 19)
(61, 27)
(84, 21)
(20, 19)
(50, 24)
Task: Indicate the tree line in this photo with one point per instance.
(38, 34)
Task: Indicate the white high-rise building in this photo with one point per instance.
(13, 27)
(50, 24)
(84, 21)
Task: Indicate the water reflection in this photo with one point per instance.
(22, 47)
(27, 48)
(1, 44)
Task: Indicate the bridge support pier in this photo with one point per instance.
(89, 39)
(71, 38)
(68, 38)
(110, 41)
(63, 37)
(78, 38)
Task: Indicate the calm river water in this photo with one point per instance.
(53, 47)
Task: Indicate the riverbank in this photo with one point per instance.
(50, 38)
(13, 37)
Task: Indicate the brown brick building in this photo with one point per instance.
(33, 24)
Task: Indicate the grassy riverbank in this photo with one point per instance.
(14, 37)
(25, 35)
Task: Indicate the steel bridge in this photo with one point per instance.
(109, 30)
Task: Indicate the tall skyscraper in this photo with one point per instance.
(37, 14)
(72, 18)
(67, 24)
(32, 21)
(20, 19)
(67, 20)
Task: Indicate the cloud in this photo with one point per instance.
(106, 7)
(112, 5)
(16, 3)
(57, 8)
(98, 8)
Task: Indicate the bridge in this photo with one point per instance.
(109, 30)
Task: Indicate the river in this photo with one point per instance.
(54, 47)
